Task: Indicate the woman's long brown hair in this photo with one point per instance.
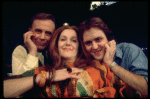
(56, 62)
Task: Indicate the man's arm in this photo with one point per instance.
(15, 87)
(136, 81)
(134, 56)
(21, 61)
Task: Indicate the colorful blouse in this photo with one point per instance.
(96, 82)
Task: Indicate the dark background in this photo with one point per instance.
(127, 20)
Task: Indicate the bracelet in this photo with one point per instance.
(34, 80)
(50, 76)
(43, 79)
(69, 70)
(113, 64)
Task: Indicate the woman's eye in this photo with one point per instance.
(74, 40)
(62, 39)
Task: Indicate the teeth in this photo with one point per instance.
(97, 52)
(68, 49)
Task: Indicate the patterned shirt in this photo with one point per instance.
(95, 81)
(132, 58)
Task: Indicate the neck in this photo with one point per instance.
(68, 60)
(101, 61)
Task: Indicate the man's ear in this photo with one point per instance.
(29, 29)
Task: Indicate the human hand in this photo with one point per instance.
(32, 48)
(110, 49)
(63, 74)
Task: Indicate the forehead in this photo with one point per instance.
(68, 33)
(93, 33)
(44, 24)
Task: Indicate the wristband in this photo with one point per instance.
(43, 79)
(34, 80)
(113, 64)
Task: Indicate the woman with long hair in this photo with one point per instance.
(67, 61)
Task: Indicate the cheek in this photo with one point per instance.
(76, 47)
(48, 37)
(88, 48)
(36, 35)
(59, 47)
(60, 44)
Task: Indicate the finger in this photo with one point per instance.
(113, 43)
(109, 43)
(75, 76)
(28, 37)
(76, 70)
(107, 46)
(26, 34)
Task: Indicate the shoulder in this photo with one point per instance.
(128, 49)
(19, 49)
(131, 53)
(124, 46)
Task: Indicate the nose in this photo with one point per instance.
(68, 43)
(94, 45)
(42, 36)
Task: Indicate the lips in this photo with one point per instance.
(67, 49)
(97, 53)
(41, 43)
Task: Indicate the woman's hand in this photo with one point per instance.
(63, 74)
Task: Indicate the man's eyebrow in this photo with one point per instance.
(98, 37)
(38, 29)
(87, 41)
(48, 32)
(93, 39)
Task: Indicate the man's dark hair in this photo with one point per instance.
(42, 16)
(96, 22)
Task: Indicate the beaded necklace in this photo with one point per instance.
(67, 82)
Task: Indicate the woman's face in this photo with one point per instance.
(68, 44)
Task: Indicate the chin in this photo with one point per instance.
(98, 58)
(67, 57)
(41, 47)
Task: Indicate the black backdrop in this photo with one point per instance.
(127, 20)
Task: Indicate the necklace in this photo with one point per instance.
(70, 84)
